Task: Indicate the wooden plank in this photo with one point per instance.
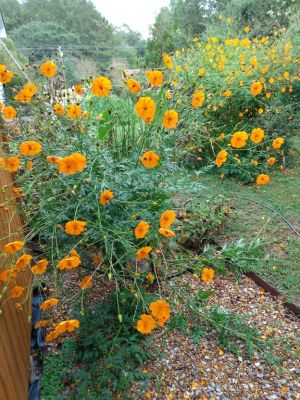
(15, 326)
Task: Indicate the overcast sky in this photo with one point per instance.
(138, 14)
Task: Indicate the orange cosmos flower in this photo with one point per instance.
(167, 60)
(22, 262)
(221, 158)
(150, 277)
(161, 311)
(133, 86)
(30, 148)
(41, 323)
(79, 90)
(17, 291)
(72, 164)
(75, 227)
(105, 197)
(58, 109)
(257, 135)
(167, 219)
(101, 86)
(170, 119)
(48, 69)
(30, 88)
(198, 99)
(143, 252)
(155, 78)
(239, 139)
(12, 164)
(262, 179)
(73, 111)
(9, 112)
(54, 159)
(23, 96)
(67, 326)
(7, 275)
(5, 75)
(277, 143)
(141, 229)
(40, 267)
(207, 274)
(166, 232)
(271, 161)
(13, 247)
(256, 88)
(145, 324)
(69, 262)
(149, 159)
(49, 303)
(51, 336)
(86, 282)
(145, 109)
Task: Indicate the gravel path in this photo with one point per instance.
(207, 372)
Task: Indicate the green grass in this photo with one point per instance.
(250, 220)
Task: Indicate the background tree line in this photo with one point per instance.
(92, 45)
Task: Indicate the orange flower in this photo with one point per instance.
(101, 86)
(69, 263)
(67, 326)
(12, 164)
(207, 274)
(51, 336)
(73, 111)
(221, 158)
(150, 277)
(271, 161)
(72, 163)
(277, 143)
(133, 86)
(41, 323)
(30, 88)
(145, 324)
(105, 197)
(161, 311)
(29, 165)
(257, 135)
(167, 219)
(145, 109)
(54, 159)
(9, 112)
(143, 252)
(86, 282)
(7, 275)
(75, 227)
(166, 232)
(141, 229)
(58, 109)
(79, 90)
(198, 99)
(239, 139)
(48, 69)
(167, 60)
(256, 88)
(30, 148)
(40, 267)
(155, 78)
(22, 262)
(24, 96)
(170, 119)
(262, 179)
(149, 159)
(5, 75)
(49, 303)
(17, 291)
(13, 247)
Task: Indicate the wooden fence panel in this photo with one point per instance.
(15, 325)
